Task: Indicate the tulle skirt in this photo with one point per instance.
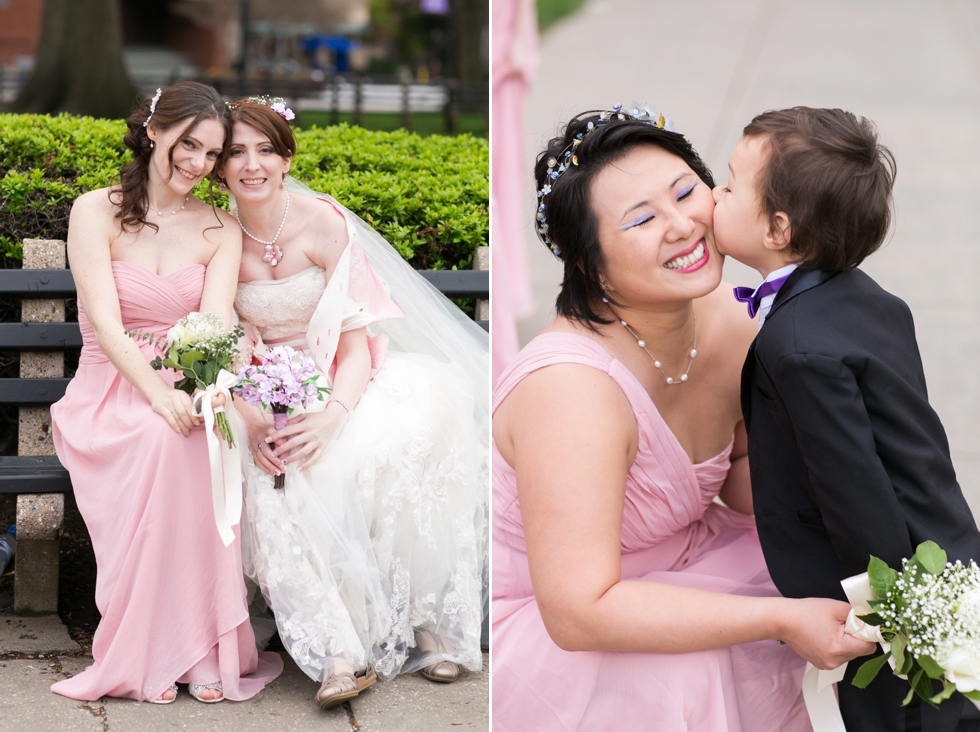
(384, 536)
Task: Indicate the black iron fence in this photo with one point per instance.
(350, 94)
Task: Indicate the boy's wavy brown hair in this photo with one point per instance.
(833, 179)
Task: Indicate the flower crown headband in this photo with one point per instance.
(567, 158)
(153, 106)
(276, 104)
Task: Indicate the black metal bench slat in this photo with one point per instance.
(459, 283)
(25, 392)
(39, 336)
(33, 474)
(34, 283)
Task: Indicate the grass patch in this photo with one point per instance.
(423, 123)
(551, 11)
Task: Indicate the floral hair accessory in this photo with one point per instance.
(568, 157)
(153, 106)
(276, 104)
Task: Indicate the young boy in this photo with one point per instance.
(847, 458)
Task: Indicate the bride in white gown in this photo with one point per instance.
(374, 554)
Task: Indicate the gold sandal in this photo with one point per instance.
(335, 689)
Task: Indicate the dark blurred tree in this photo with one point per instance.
(471, 20)
(79, 66)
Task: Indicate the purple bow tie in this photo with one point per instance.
(752, 297)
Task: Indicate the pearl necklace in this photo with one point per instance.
(160, 213)
(643, 344)
(273, 254)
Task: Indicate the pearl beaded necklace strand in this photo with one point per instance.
(273, 254)
(643, 344)
(160, 213)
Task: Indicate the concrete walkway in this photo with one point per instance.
(913, 67)
(36, 652)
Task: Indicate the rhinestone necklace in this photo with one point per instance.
(273, 254)
(643, 344)
(160, 213)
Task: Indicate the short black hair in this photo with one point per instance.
(827, 172)
(572, 223)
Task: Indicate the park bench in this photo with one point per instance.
(35, 473)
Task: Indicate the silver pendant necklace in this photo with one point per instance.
(160, 213)
(273, 254)
(656, 362)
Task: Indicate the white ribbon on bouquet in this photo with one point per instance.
(818, 686)
(226, 469)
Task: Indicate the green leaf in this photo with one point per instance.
(881, 577)
(869, 669)
(872, 619)
(189, 373)
(923, 686)
(157, 363)
(189, 358)
(913, 682)
(946, 693)
(931, 557)
(898, 650)
(975, 695)
(932, 669)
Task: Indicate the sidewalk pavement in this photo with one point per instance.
(35, 652)
(912, 67)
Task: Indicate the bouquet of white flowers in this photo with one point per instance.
(928, 617)
(200, 347)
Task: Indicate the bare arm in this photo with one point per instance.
(737, 490)
(571, 457)
(221, 279)
(90, 228)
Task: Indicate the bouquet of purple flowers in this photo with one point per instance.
(283, 381)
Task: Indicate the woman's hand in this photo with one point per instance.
(814, 628)
(262, 450)
(176, 407)
(308, 435)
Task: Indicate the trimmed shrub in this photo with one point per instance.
(427, 196)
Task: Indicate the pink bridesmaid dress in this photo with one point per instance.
(672, 533)
(171, 595)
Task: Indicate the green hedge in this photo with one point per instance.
(427, 196)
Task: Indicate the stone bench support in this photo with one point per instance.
(40, 518)
(481, 261)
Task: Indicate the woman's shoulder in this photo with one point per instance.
(96, 201)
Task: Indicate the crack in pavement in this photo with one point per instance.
(98, 712)
(351, 720)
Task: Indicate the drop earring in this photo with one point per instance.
(151, 144)
(605, 292)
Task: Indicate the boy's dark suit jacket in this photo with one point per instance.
(848, 459)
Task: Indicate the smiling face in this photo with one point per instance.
(654, 216)
(194, 156)
(253, 170)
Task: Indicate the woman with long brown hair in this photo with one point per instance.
(144, 254)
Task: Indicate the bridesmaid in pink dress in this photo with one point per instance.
(144, 254)
(624, 595)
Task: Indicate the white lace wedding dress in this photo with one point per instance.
(386, 533)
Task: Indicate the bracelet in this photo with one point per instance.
(341, 402)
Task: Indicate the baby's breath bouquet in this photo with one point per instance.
(929, 619)
(200, 347)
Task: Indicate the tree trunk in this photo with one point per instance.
(79, 66)
(470, 19)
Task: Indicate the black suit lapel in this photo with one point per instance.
(748, 369)
(800, 281)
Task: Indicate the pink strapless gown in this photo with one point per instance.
(170, 593)
(672, 533)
